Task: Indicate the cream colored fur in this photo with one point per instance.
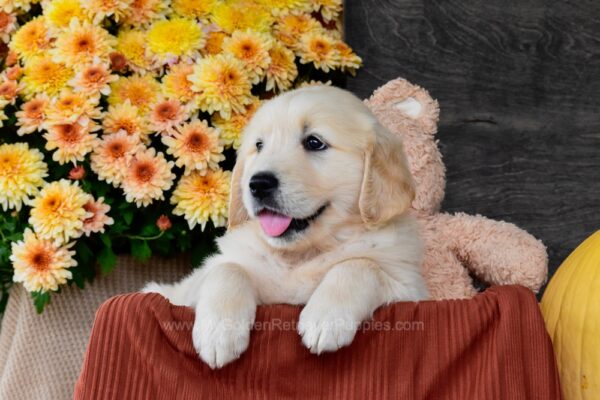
(362, 252)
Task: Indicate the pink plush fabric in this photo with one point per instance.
(498, 253)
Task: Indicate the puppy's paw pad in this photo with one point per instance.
(327, 330)
(220, 341)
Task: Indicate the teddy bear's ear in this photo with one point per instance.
(419, 111)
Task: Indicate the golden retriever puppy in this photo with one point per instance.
(317, 217)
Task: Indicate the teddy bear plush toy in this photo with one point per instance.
(457, 246)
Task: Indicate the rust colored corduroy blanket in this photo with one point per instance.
(493, 346)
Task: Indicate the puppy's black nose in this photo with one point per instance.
(263, 184)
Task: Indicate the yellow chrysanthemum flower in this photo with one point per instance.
(319, 49)
(231, 129)
(112, 155)
(81, 42)
(349, 61)
(32, 39)
(214, 43)
(193, 8)
(195, 146)
(176, 84)
(252, 48)
(290, 28)
(242, 15)
(20, 6)
(176, 38)
(223, 85)
(22, 172)
(330, 9)
(126, 117)
(59, 13)
(140, 90)
(70, 107)
(282, 70)
(143, 12)
(58, 212)
(311, 83)
(147, 177)
(71, 141)
(100, 9)
(41, 265)
(200, 198)
(42, 75)
(285, 7)
(3, 116)
(32, 116)
(132, 44)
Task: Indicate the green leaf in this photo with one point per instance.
(40, 300)
(106, 240)
(149, 230)
(84, 255)
(9, 225)
(127, 216)
(15, 237)
(140, 250)
(107, 260)
(78, 278)
(127, 212)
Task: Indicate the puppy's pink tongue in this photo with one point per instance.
(274, 224)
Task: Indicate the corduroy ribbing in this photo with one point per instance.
(493, 346)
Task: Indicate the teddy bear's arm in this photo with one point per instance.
(496, 252)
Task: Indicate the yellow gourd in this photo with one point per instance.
(571, 308)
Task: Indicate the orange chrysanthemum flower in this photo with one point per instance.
(175, 83)
(166, 114)
(252, 49)
(112, 155)
(71, 141)
(41, 265)
(81, 43)
(98, 219)
(319, 49)
(32, 115)
(148, 176)
(93, 79)
(195, 146)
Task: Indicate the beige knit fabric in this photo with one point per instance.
(41, 355)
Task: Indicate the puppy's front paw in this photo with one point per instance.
(324, 327)
(153, 287)
(220, 340)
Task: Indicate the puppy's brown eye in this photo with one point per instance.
(313, 143)
(259, 145)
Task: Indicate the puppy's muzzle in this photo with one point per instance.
(263, 185)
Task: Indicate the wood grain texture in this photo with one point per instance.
(519, 88)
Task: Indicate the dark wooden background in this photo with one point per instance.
(519, 88)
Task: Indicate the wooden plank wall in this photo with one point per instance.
(519, 87)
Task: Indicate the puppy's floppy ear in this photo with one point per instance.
(387, 187)
(237, 212)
